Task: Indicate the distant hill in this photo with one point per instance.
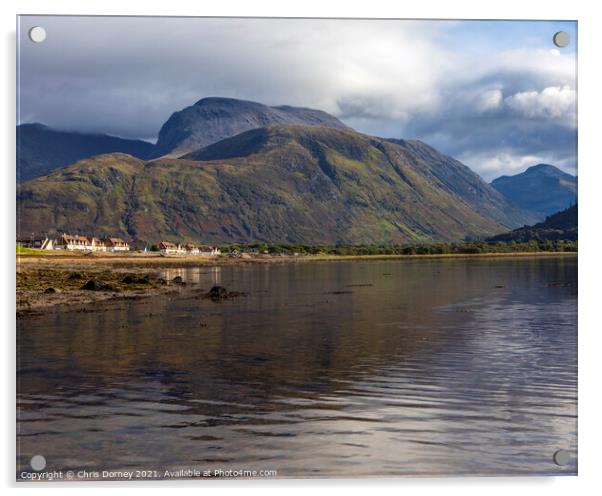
(41, 149)
(277, 184)
(542, 189)
(212, 119)
(556, 227)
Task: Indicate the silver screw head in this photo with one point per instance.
(561, 457)
(38, 463)
(561, 39)
(37, 34)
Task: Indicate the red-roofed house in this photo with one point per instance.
(174, 248)
(116, 244)
(73, 242)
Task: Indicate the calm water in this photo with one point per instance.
(326, 369)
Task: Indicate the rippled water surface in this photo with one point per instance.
(427, 367)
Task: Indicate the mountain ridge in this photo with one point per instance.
(543, 189)
(41, 149)
(367, 188)
(465, 182)
(212, 119)
(280, 184)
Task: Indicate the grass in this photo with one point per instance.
(155, 261)
(21, 250)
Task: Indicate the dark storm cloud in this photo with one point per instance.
(497, 108)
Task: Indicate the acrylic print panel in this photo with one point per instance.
(273, 248)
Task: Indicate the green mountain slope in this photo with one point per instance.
(556, 227)
(456, 177)
(280, 184)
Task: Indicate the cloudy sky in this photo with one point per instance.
(497, 95)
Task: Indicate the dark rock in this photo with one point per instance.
(162, 281)
(177, 280)
(133, 279)
(217, 293)
(50, 291)
(74, 276)
(94, 285)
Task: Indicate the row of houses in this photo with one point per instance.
(91, 243)
(75, 242)
(188, 249)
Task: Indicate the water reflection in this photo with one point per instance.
(196, 275)
(351, 368)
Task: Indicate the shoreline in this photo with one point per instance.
(49, 282)
(139, 260)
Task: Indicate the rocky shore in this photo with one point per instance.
(60, 279)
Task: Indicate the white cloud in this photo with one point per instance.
(553, 102)
(125, 76)
(489, 100)
(507, 162)
(538, 65)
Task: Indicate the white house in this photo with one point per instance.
(209, 251)
(73, 242)
(87, 243)
(171, 248)
(191, 249)
(95, 244)
(116, 244)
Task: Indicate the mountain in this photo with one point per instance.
(41, 149)
(462, 181)
(212, 119)
(542, 189)
(559, 226)
(278, 184)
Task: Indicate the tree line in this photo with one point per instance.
(418, 249)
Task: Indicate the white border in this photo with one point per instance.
(590, 181)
